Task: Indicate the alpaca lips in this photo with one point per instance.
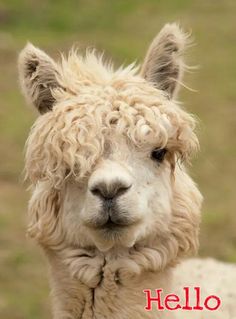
(174, 302)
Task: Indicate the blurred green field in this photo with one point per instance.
(123, 29)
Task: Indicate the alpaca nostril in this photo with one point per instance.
(122, 190)
(109, 191)
(95, 191)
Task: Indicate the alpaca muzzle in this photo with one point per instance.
(110, 216)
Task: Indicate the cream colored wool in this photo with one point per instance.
(96, 126)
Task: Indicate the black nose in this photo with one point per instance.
(109, 191)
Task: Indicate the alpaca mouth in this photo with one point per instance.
(113, 223)
(110, 222)
(116, 224)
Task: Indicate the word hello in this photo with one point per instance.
(172, 301)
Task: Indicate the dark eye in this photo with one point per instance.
(158, 154)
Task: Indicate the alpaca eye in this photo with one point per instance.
(158, 154)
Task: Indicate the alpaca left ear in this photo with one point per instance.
(163, 64)
(38, 77)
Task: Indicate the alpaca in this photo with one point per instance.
(112, 204)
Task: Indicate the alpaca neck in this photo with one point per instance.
(113, 293)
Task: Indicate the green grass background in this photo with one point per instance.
(123, 28)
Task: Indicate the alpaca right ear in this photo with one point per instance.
(163, 64)
(38, 76)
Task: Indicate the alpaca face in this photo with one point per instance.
(102, 156)
(126, 197)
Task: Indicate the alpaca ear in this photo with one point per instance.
(38, 76)
(163, 64)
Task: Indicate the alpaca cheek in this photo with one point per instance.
(72, 203)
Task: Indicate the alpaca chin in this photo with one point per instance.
(106, 239)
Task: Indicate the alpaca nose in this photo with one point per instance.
(109, 191)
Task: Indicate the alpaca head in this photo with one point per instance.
(105, 157)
